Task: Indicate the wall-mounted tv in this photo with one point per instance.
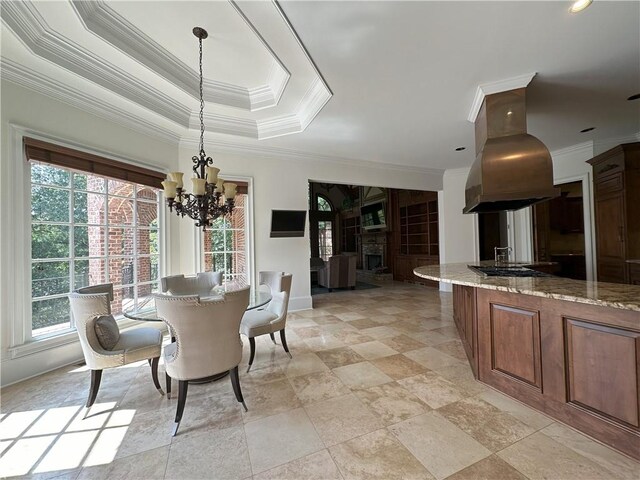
(288, 223)
(372, 216)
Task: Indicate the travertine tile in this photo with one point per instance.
(372, 350)
(520, 411)
(148, 431)
(490, 468)
(268, 399)
(339, 357)
(222, 451)
(539, 456)
(398, 366)
(349, 316)
(434, 390)
(281, 438)
(316, 387)
(377, 455)
(439, 445)
(342, 418)
(490, 426)
(403, 343)
(317, 466)
(454, 349)
(383, 331)
(461, 375)
(392, 403)
(326, 341)
(361, 375)
(148, 465)
(351, 336)
(363, 323)
(431, 358)
(302, 365)
(619, 465)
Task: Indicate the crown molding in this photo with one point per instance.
(31, 29)
(634, 137)
(99, 18)
(584, 147)
(498, 86)
(28, 78)
(457, 172)
(278, 153)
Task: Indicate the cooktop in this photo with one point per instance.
(507, 271)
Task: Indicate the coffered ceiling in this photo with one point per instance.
(403, 75)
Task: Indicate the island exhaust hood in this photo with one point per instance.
(512, 169)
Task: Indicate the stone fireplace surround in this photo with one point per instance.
(374, 247)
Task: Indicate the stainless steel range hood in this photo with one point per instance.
(512, 169)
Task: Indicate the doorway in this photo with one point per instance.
(492, 232)
(558, 232)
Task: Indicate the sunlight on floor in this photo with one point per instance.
(40, 441)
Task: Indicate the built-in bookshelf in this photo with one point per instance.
(419, 228)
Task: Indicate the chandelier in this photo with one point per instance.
(211, 197)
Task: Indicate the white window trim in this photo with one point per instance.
(15, 279)
(198, 247)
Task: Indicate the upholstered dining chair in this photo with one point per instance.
(269, 320)
(199, 284)
(273, 280)
(207, 340)
(92, 305)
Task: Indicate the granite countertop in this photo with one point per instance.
(615, 295)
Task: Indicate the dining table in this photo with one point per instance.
(145, 311)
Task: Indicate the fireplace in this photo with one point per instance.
(373, 261)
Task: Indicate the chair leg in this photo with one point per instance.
(283, 339)
(252, 343)
(153, 362)
(273, 338)
(235, 382)
(183, 385)
(96, 376)
(167, 381)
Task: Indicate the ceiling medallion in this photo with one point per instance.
(211, 197)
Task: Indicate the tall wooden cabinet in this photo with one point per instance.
(415, 241)
(616, 176)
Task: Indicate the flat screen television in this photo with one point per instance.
(372, 216)
(288, 223)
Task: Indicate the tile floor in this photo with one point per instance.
(378, 388)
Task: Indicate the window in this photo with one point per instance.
(225, 243)
(324, 205)
(88, 229)
(325, 239)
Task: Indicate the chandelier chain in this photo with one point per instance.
(201, 106)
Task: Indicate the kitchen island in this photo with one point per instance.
(569, 348)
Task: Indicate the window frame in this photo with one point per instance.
(326, 199)
(249, 236)
(15, 277)
(104, 223)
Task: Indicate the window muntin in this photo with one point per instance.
(325, 239)
(225, 245)
(88, 229)
(324, 205)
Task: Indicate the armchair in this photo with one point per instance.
(87, 306)
(338, 272)
(200, 284)
(207, 340)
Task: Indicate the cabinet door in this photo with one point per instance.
(610, 226)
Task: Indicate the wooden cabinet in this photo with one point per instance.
(464, 316)
(575, 362)
(634, 273)
(616, 175)
(415, 236)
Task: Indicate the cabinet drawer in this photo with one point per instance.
(609, 166)
(610, 183)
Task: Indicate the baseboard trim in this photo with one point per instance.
(300, 303)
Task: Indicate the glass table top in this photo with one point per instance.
(146, 309)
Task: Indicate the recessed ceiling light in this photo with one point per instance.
(459, 149)
(579, 5)
(585, 130)
(634, 97)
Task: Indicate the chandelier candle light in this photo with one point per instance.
(211, 197)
